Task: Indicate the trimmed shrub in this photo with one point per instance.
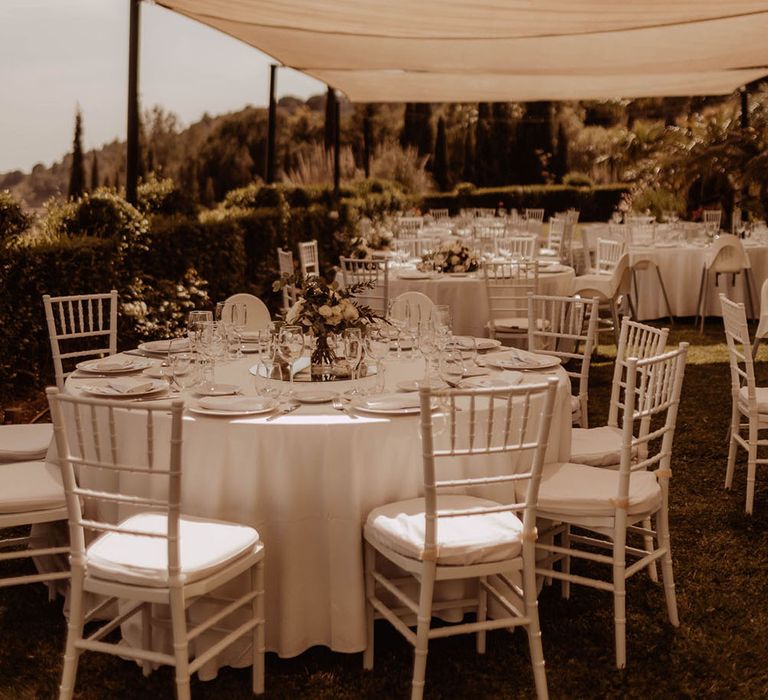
(577, 179)
(13, 219)
(163, 197)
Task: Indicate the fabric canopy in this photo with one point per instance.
(498, 50)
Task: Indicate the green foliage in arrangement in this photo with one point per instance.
(594, 203)
(13, 219)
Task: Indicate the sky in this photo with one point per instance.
(58, 54)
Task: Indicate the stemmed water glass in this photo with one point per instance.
(195, 322)
(377, 341)
(238, 320)
(427, 344)
(290, 347)
(451, 366)
(213, 346)
(353, 351)
(186, 370)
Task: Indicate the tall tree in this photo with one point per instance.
(468, 171)
(440, 167)
(417, 128)
(534, 142)
(94, 172)
(484, 156)
(559, 166)
(77, 173)
(501, 136)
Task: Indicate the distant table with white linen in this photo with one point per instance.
(306, 482)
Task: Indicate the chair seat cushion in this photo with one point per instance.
(604, 285)
(761, 394)
(24, 443)
(597, 447)
(30, 486)
(461, 540)
(205, 546)
(580, 490)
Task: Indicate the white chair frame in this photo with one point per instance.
(566, 327)
(507, 286)
(486, 437)
(608, 254)
(416, 247)
(371, 272)
(309, 259)
(89, 439)
(402, 306)
(439, 214)
(745, 413)
(79, 317)
(519, 246)
(258, 315)
(652, 396)
(286, 267)
(407, 226)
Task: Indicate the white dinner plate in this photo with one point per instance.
(521, 360)
(503, 380)
(315, 396)
(158, 372)
(410, 385)
(114, 365)
(480, 343)
(243, 406)
(164, 346)
(388, 404)
(125, 389)
(217, 390)
(413, 275)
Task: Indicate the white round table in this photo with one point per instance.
(306, 482)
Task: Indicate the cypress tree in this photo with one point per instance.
(77, 173)
(95, 172)
(500, 171)
(440, 169)
(330, 119)
(535, 141)
(407, 135)
(484, 156)
(560, 158)
(468, 171)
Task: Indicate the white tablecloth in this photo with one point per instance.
(680, 266)
(306, 482)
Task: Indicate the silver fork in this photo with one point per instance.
(340, 405)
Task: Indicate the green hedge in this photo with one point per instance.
(594, 203)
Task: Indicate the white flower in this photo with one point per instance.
(324, 310)
(455, 260)
(349, 311)
(459, 268)
(456, 248)
(294, 312)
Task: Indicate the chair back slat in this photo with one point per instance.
(374, 274)
(478, 429)
(117, 460)
(740, 358)
(309, 259)
(73, 321)
(507, 286)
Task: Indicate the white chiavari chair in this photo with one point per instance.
(309, 258)
(607, 255)
(375, 274)
(517, 246)
(286, 267)
(712, 218)
(615, 510)
(726, 256)
(408, 226)
(566, 327)
(484, 213)
(416, 247)
(439, 214)
(507, 285)
(78, 321)
(443, 536)
(749, 409)
(534, 219)
(556, 230)
(146, 552)
(642, 234)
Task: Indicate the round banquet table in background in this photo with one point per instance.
(680, 264)
(306, 482)
(466, 295)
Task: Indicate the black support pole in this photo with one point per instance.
(744, 107)
(132, 161)
(336, 149)
(271, 125)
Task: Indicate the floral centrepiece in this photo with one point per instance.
(376, 240)
(451, 257)
(325, 309)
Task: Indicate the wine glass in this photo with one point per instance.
(353, 350)
(441, 316)
(213, 346)
(427, 344)
(238, 319)
(451, 366)
(468, 349)
(194, 326)
(377, 342)
(290, 347)
(186, 370)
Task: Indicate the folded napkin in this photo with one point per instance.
(514, 358)
(392, 401)
(131, 386)
(174, 344)
(112, 364)
(497, 381)
(236, 403)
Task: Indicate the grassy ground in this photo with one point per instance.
(721, 569)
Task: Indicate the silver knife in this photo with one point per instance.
(283, 411)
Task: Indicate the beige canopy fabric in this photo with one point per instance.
(498, 50)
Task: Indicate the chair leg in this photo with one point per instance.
(648, 541)
(533, 628)
(748, 293)
(636, 293)
(180, 643)
(565, 567)
(146, 635)
(257, 641)
(424, 618)
(74, 634)
(616, 324)
(664, 294)
(482, 613)
(662, 525)
(698, 299)
(732, 446)
(751, 465)
(370, 562)
(704, 296)
(620, 599)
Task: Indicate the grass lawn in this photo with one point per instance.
(721, 570)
